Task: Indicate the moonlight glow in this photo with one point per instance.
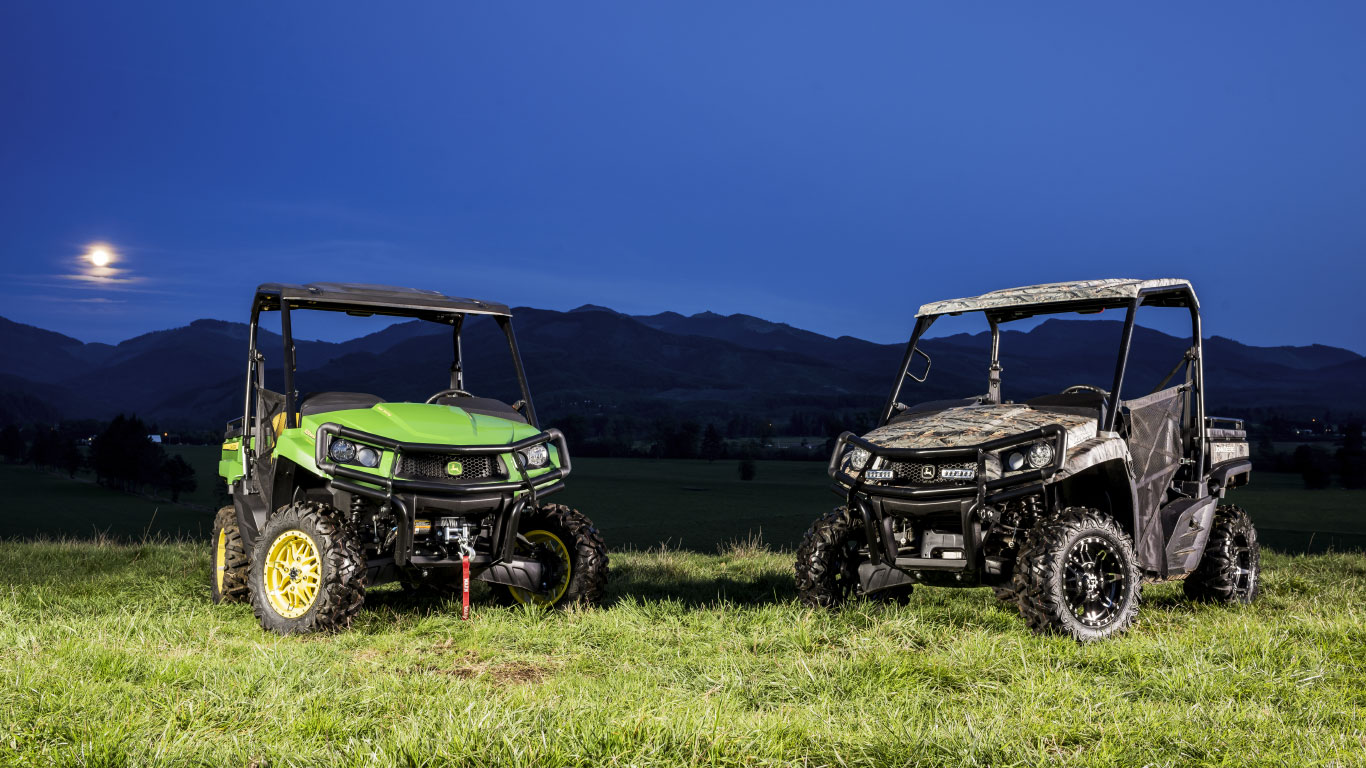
(100, 255)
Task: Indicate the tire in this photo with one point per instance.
(1230, 571)
(291, 596)
(828, 559)
(556, 532)
(228, 557)
(1006, 593)
(1077, 576)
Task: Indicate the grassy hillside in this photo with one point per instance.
(112, 655)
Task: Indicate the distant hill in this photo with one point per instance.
(596, 360)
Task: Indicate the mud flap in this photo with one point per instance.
(1186, 525)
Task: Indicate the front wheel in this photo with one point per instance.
(307, 571)
(1077, 576)
(571, 553)
(1231, 569)
(828, 561)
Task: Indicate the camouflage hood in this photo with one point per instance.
(973, 424)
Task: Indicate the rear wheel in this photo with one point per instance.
(571, 553)
(1231, 569)
(307, 571)
(1077, 576)
(228, 558)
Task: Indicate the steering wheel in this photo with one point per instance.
(447, 393)
(1085, 388)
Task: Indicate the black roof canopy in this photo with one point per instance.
(374, 299)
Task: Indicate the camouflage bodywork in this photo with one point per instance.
(1227, 445)
(974, 424)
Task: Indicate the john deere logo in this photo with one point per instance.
(926, 473)
(455, 468)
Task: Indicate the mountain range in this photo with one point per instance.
(594, 360)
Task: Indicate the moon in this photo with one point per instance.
(100, 256)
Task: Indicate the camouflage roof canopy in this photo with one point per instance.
(1116, 290)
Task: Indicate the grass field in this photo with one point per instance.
(112, 655)
(37, 503)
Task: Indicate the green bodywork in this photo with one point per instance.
(402, 422)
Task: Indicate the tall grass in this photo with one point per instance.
(111, 655)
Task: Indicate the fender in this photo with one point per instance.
(1229, 474)
(1106, 446)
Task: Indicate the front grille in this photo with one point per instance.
(915, 472)
(432, 466)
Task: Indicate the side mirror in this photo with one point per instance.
(923, 374)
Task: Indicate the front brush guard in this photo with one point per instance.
(856, 488)
(387, 490)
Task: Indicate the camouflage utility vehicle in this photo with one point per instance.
(1064, 503)
(335, 492)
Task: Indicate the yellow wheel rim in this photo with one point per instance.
(220, 563)
(557, 548)
(292, 572)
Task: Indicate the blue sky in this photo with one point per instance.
(812, 163)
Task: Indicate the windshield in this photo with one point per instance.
(393, 359)
(1047, 356)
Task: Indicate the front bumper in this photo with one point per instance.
(407, 497)
(877, 503)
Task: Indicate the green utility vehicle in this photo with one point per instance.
(1065, 502)
(336, 492)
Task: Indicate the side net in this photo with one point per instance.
(1155, 445)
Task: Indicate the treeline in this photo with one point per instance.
(744, 436)
(1317, 464)
(121, 454)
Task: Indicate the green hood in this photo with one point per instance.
(422, 423)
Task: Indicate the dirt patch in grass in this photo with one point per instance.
(502, 673)
(445, 658)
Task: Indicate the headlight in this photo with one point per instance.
(1040, 455)
(858, 457)
(536, 456)
(1015, 461)
(342, 450)
(367, 457)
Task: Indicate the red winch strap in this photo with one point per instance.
(465, 589)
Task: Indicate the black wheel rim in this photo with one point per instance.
(1095, 581)
(1240, 565)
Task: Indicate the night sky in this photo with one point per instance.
(828, 165)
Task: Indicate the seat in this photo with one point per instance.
(1079, 403)
(326, 402)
